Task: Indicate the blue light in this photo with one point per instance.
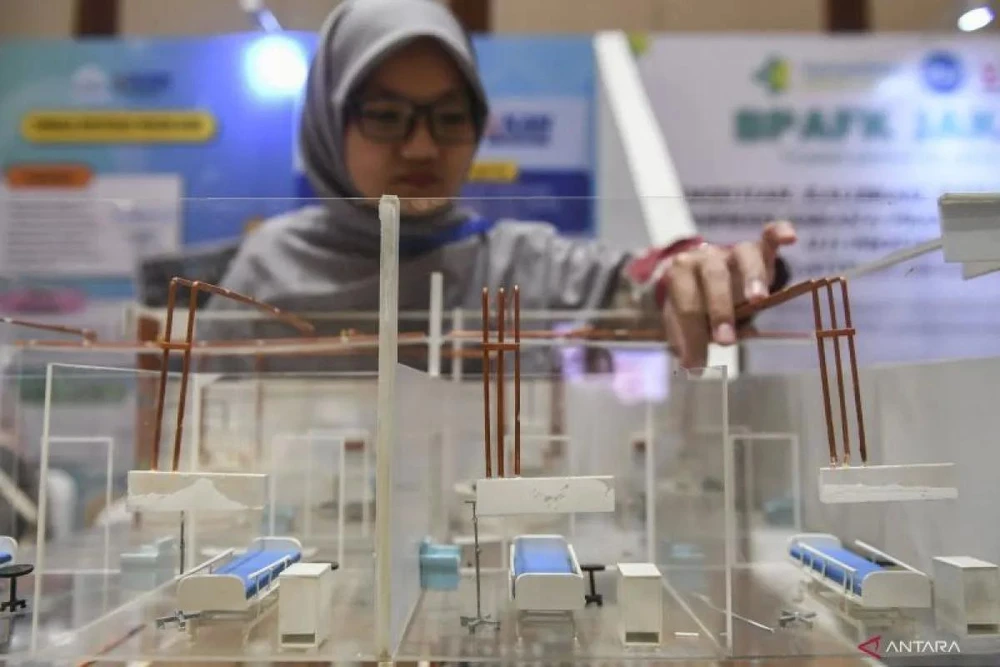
(276, 66)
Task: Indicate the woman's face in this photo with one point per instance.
(412, 131)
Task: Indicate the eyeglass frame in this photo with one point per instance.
(419, 111)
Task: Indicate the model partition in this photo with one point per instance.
(615, 598)
(22, 391)
(211, 561)
(91, 418)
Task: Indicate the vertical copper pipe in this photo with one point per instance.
(517, 380)
(161, 393)
(840, 373)
(501, 377)
(147, 329)
(486, 381)
(818, 318)
(862, 444)
(185, 372)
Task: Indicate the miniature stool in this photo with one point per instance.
(14, 572)
(593, 597)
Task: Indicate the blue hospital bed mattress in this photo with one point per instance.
(833, 571)
(541, 556)
(243, 566)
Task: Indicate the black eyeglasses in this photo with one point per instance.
(393, 119)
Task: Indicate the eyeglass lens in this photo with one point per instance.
(395, 120)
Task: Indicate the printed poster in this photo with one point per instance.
(854, 139)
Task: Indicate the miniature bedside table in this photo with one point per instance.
(305, 600)
(640, 602)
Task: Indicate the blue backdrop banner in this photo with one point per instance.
(169, 143)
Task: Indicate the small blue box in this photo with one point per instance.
(439, 566)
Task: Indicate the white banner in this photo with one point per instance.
(853, 139)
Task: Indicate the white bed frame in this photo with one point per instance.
(541, 592)
(893, 587)
(201, 591)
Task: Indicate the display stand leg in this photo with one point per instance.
(182, 545)
(473, 622)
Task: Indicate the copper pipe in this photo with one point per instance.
(836, 333)
(290, 319)
(517, 381)
(185, 374)
(504, 347)
(261, 346)
(840, 373)
(486, 381)
(358, 342)
(501, 377)
(862, 444)
(583, 333)
(749, 308)
(86, 334)
(263, 343)
(775, 335)
(817, 316)
(194, 287)
(161, 393)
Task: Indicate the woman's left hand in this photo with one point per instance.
(704, 286)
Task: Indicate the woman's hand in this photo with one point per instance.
(704, 286)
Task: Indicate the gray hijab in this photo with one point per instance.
(356, 37)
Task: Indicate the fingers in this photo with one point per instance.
(775, 235)
(700, 307)
(705, 285)
(718, 295)
(685, 316)
(752, 276)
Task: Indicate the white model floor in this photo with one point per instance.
(692, 631)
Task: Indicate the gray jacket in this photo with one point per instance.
(286, 265)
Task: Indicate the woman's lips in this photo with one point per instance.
(419, 180)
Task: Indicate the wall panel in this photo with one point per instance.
(656, 15)
(21, 18)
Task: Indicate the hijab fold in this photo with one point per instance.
(356, 37)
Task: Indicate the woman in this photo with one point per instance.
(394, 105)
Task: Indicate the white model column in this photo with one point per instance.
(385, 427)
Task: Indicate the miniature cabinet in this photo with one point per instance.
(966, 596)
(640, 602)
(492, 554)
(305, 599)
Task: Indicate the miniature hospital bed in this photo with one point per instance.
(237, 582)
(545, 575)
(870, 579)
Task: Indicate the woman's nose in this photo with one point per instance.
(420, 144)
